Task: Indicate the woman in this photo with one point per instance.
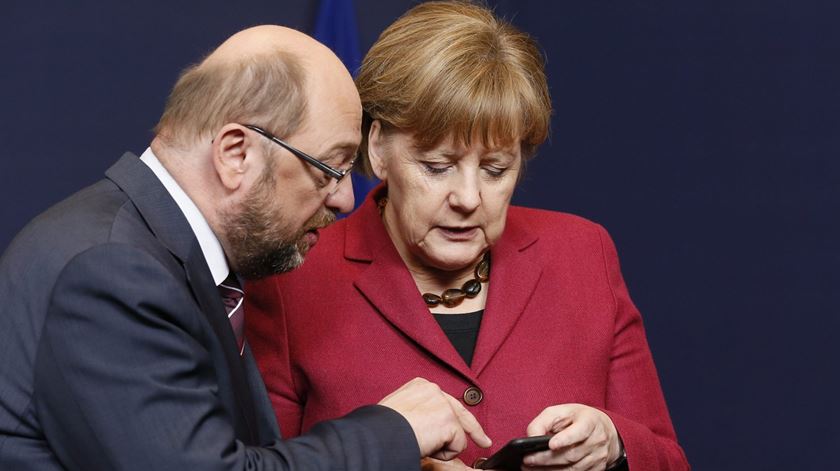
(521, 313)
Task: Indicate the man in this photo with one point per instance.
(121, 318)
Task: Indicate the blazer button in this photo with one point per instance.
(478, 462)
(472, 396)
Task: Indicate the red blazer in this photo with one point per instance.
(349, 327)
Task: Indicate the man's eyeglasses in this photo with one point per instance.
(328, 170)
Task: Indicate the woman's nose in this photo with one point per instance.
(466, 194)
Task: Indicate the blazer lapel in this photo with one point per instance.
(204, 290)
(514, 272)
(171, 228)
(389, 287)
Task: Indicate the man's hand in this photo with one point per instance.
(440, 423)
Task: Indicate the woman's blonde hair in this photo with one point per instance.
(452, 68)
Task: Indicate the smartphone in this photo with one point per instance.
(509, 458)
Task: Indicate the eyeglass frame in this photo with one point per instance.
(328, 170)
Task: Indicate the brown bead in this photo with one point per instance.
(431, 300)
(472, 288)
(453, 297)
(482, 270)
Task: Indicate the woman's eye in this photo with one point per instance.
(435, 169)
(495, 171)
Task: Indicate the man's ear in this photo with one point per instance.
(376, 150)
(230, 151)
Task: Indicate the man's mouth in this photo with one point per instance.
(311, 237)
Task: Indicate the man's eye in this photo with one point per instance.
(324, 181)
(349, 167)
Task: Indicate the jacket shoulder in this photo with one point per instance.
(97, 215)
(551, 225)
(72, 225)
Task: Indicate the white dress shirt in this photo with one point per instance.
(210, 246)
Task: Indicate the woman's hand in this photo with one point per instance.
(431, 464)
(585, 439)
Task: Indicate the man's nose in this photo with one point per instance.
(341, 197)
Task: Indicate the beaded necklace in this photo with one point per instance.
(470, 289)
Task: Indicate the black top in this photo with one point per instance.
(462, 330)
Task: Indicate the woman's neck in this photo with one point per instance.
(435, 280)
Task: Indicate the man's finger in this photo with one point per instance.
(444, 455)
(469, 423)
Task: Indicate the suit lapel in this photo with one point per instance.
(205, 291)
(514, 273)
(389, 287)
(171, 228)
(391, 290)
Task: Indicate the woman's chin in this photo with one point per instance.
(453, 261)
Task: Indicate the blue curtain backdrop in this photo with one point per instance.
(336, 27)
(704, 135)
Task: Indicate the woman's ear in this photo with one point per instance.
(376, 149)
(230, 152)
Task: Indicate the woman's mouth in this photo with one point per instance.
(458, 233)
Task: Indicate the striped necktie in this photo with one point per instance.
(233, 298)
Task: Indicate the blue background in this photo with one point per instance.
(703, 135)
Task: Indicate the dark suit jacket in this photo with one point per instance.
(117, 353)
(559, 327)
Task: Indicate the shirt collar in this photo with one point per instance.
(207, 240)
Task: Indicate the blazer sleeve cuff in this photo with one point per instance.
(393, 435)
(645, 450)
